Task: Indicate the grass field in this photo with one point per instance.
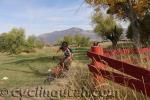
(18, 67)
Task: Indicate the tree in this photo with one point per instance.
(59, 41)
(133, 10)
(107, 27)
(81, 40)
(68, 38)
(34, 42)
(144, 30)
(85, 41)
(78, 39)
(12, 41)
(3, 44)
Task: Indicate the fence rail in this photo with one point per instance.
(138, 77)
(126, 51)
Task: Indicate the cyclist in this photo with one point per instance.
(65, 62)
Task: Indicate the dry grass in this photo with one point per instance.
(109, 90)
(84, 78)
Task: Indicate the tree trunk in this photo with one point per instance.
(114, 44)
(113, 39)
(134, 25)
(136, 35)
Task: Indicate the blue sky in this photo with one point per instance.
(42, 16)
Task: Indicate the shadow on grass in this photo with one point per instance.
(37, 59)
(33, 71)
(37, 72)
(16, 70)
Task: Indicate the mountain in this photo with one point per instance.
(54, 36)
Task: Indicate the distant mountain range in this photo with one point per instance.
(54, 36)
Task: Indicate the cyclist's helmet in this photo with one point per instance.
(63, 45)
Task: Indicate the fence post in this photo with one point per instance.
(99, 65)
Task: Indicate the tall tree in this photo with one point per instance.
(106, 26)
(133, 10)
(144, 30)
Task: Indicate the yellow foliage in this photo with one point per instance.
(139, 6)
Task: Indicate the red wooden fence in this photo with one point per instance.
(125, 51)
(138, 77)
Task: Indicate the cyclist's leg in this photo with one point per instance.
(61, 63)
(67, 64)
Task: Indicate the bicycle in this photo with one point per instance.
(56, 72)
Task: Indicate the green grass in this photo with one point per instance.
(20, 69)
